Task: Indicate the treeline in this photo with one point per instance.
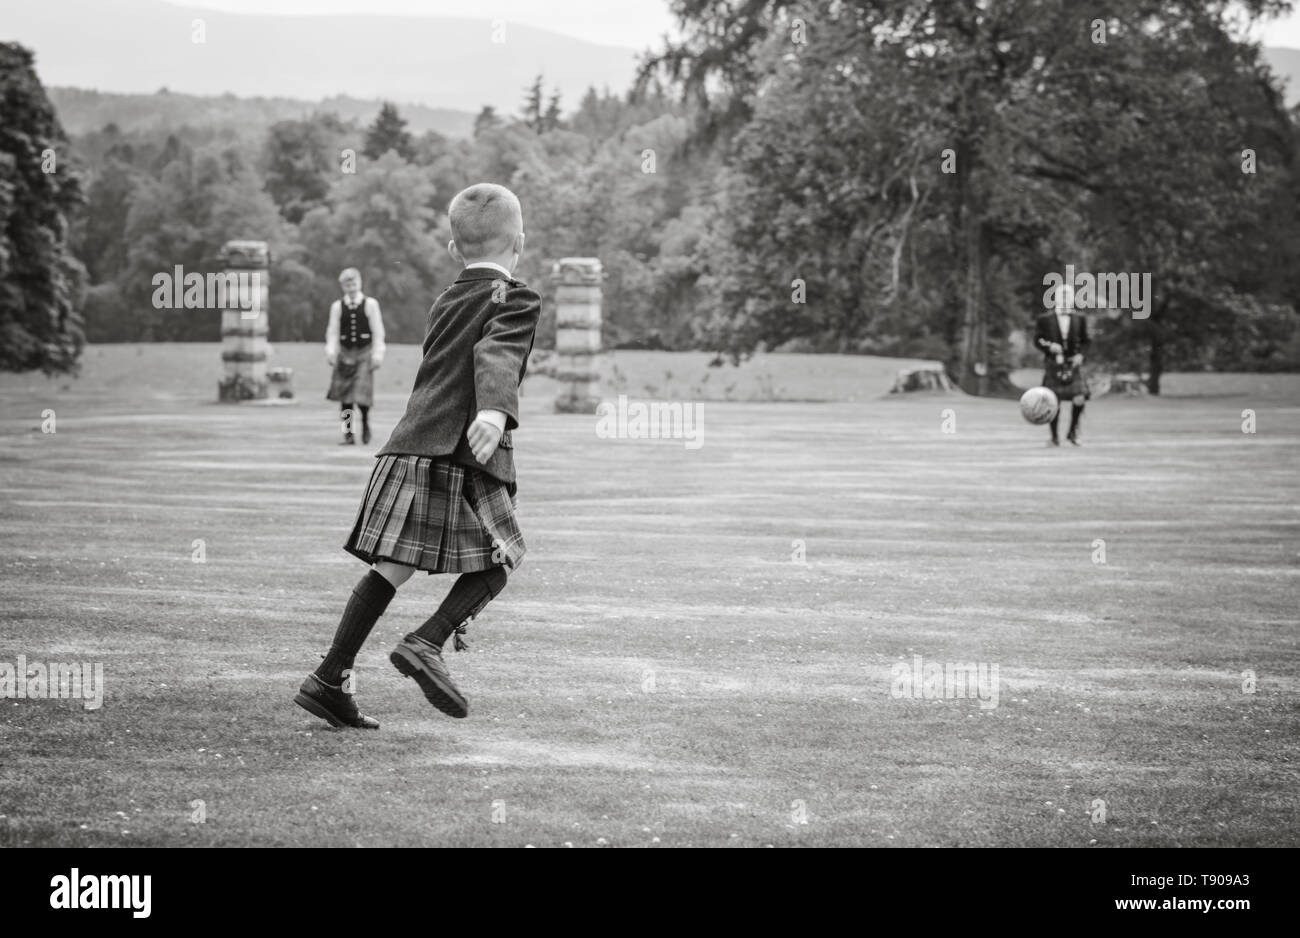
(895, 178)
(84, 110)
(327, 194)
(919, 168)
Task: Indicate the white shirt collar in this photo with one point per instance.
(490, 265)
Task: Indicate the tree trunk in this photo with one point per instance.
(1156, 362)
(974, 335)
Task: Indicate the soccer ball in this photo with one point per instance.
(1038, 405)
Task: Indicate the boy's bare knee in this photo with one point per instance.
(394, 573)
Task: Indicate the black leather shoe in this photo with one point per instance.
(332, 704)
(416, 658)
(348, 440)
(1074, 440)
(1053, 442)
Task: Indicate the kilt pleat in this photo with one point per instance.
(353, 378)
(1066, 382)
(436, 515)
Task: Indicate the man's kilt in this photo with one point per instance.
(1067, 382)
(437, 516)
(353, 380)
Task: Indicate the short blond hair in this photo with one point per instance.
(350, 272)
(484, 219)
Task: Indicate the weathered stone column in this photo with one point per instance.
(244, 321)
(577, 333)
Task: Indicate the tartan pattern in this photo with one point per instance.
(437, 516)
(353, 380)
(1066, 381)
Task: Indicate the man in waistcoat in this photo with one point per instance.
(354, 348)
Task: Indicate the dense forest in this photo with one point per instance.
(327, 194)
(892, 178)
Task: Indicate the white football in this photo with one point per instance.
(1038, 405)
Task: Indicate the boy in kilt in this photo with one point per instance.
(354, 348)
(441, 497)
(1062, 335)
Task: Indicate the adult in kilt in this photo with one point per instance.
(354, 348)
(1062, 336)
(442, 495)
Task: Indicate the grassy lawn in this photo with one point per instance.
(661, 672)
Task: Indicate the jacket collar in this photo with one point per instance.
(479, 273)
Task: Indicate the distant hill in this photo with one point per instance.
(139, 46)
(81, 111)
(1285, 64)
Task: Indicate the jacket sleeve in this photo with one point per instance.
(332, 330)
(1042, 338)
(500, 355)
(376, 318)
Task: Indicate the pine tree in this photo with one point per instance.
(551, 119)
(388, 132)
(486, 120)
(532, 109)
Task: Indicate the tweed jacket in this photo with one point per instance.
(1047, 330)
(480, 334)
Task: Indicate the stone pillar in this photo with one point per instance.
(244, 321)
(577, 333)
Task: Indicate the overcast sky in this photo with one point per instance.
(632, 23)
(1283, 32)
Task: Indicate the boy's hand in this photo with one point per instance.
(1076, 361)
(1055, 348)
(483, 439)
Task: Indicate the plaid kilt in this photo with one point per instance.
(353, 379)
(437, 516)
(1066, 381)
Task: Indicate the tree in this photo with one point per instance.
(497, 154)
(1222, 259)
(597, 114)
(100, 235)
(928, 158)
(604, 115)
(551, 119)
(388, 132)
(486, 120)
(380, 222)
(583, 200)
(201, 201)
(531, 111)
(301, 158)
(536, 118)
(40, 279)
(446, 165)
